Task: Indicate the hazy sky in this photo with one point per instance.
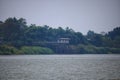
(80, 15)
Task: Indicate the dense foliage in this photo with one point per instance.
(35, 50)
(16, 34)
(8, 50)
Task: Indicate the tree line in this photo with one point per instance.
(16, 33)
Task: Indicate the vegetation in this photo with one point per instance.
(36, 50)
(91, 49)
(8, 50)
(16, 37)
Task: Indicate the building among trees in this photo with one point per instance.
(63, 40)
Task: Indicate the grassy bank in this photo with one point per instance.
(79, 49)
(9, 50)
(90, 49)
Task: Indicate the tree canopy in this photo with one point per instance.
(17, 33)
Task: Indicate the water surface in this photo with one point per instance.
(60, 67)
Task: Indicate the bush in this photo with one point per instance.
(90, 49)
(87, 49)
(35, 50)
(8, 50)
(114, 50)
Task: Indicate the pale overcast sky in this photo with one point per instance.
(80, 15)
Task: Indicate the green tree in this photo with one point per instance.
(94, 38)
(12, 30)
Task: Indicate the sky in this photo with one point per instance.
(80, 15)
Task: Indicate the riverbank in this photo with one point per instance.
(35, 50)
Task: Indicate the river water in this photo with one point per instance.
(60, 67)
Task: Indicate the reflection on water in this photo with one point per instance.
(60, 67)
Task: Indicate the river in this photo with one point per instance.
(60, 67)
